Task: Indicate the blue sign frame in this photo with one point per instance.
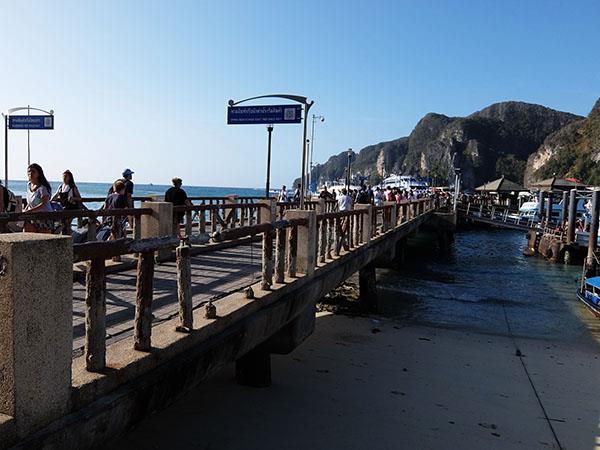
(264, 114)
(31, 122)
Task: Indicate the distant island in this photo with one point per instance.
(522, 141)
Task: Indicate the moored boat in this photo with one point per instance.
(589, 294)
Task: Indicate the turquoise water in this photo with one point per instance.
(486, 284)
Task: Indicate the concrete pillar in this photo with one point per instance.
(36, 328)
(592, 242)
(254, 368)
(268, 214)
(572, 216)
(549, 209)
(401, 250)
(306, 258)
(541, 197)
(565, 207)
(367, 283)
(367, 230)
(158, 224)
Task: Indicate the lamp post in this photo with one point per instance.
(267, 187)
(312, 145)
(348, 171)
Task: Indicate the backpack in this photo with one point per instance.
(10, 200)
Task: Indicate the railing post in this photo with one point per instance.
(306, 240)
(91, 231)
(267, 261)
(323, 232)
(158, 224)
(293, 251)
(367, 222)
(184, 287)
(143, 302)
(137, 227)
(36, 330)
(280, 256)
(95, 316)
(188, 222)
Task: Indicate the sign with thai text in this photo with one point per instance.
(247, 115)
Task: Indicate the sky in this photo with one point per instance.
(145, 84)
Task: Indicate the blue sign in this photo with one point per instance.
(31, 122)
(245, 115)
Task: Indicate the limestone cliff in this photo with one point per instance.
(487, 144)
(572, 151)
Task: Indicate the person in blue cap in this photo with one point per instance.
(127, 175)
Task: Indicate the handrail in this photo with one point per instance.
(72, 214)
(119, 247)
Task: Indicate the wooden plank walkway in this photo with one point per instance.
(214, 275)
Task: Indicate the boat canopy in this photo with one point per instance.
(594, 282)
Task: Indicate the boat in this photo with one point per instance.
(404, 182)
(589, 294)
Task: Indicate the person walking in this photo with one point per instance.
(178, 197)
(344, 204)
(67, 193)
(38, 199)
(283, 196)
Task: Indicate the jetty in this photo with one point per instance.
(89, 352)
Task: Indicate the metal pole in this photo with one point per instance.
(28, 144)
(348, 170)
(572, 216)
(312, 146)
(302, 178)
(267, 188)
(6, 150)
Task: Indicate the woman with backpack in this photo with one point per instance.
(67, 193)
(38, 200)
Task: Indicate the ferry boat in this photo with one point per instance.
(404, 182)
(589, 294)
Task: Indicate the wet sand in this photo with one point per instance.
(366, 382)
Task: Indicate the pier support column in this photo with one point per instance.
(158, 224)
(36, 328)
(306, 257)
(549, 209)
(593, 238)
(401, 250)
(564, 211)
(541, 197)
(254, 368)
(572, 216)
(368, 287)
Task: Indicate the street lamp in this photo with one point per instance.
(312, 145)
(348, 171)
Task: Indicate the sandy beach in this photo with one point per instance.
(369, 382)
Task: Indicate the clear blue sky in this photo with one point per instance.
(144, 84)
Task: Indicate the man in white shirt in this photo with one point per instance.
(344, 204)
(344, 201)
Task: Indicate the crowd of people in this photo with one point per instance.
(346, 198)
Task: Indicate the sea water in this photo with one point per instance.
(486, 284)
(19, 187)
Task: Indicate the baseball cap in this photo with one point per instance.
(127, 172)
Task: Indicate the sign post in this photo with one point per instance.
(21, 122)
(272, 114)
